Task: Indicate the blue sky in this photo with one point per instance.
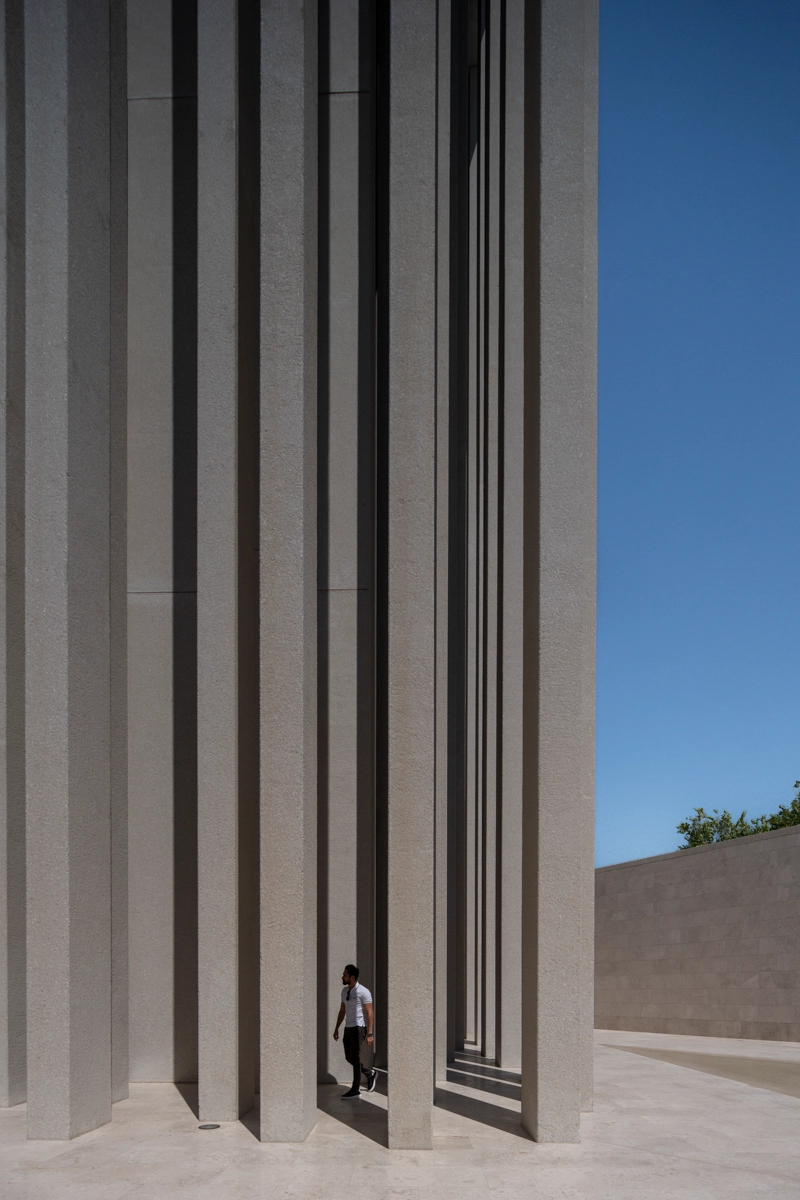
(699, 377)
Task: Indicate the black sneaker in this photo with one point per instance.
(353, 1094)
(372, 1079)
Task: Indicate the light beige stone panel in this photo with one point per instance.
(509, 1047)
(162, 841)
(411, 570)
(227, 903)
(347, 309)
(12, 558)
(288, 567)
(339, 875)
(118, 546)
(69, 373)
(150, 49)
(445, 308)
(150, 348)
(560, 505)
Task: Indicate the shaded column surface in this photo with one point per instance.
(512, 330)
(118, 539)
(288, 568)
(471, 949)
(69, 339)
(453, 234)
(442, 732)
(162, 471)
(558, 551)
(227, 647)
(346, 514)
(411, 403)
(491, 387)
(12, 556)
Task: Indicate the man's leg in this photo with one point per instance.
(366, 1060)
(351, 1053)
(355, 1049)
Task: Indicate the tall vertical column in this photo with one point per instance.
(118, 563)
(512, 334)
(226, 646)
(288, 566)
(456, 340)
(493, 407)
(471, 1019)
(162, 538)
(411, 567)
(479, 331)
(444, 327)
(509, 501)
(588, 548)
(550, 131)
(12, 556)
(69, 340)
(346, 847)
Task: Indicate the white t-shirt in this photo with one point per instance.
(354, 1007)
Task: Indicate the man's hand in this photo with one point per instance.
(370, 1039)
(336, 1034)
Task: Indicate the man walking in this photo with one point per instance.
(357, 1013)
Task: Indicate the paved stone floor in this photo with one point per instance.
(676, 1118)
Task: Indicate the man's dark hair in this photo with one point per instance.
(351, 969)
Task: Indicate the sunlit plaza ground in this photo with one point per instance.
(675, 1117)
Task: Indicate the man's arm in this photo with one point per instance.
(368, 1012)
(339, 1020)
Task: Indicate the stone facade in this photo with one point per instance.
(703, 941)
(298, 505)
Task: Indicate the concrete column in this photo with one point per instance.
(549, 142)
(443, 418)
(471, 800)
(346, 516)
(69, 338)
(587, 730)
(411, 567)
(493, 400)
(479, 331)
(457, 341)
(162, 539)
(227, 717)
(509, 1049)
(288, 566)
(12, 556)
(118, 564)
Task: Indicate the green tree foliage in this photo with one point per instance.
(702, 828)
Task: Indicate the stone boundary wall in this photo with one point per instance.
(702, 941)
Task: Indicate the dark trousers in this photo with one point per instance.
(354, 1045)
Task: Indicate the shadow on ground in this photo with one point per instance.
(484, 1079)
(189, 1093)
(472, 1071)
(372, 1120)
(366, 1118)
(504, 1119)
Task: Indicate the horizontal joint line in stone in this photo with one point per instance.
(166, 96)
